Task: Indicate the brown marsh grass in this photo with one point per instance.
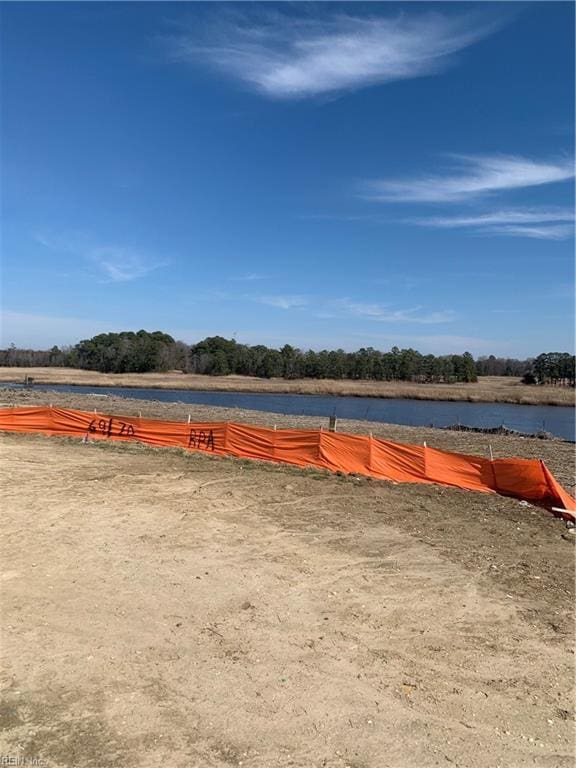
(488, 389)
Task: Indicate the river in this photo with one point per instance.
(559, 421)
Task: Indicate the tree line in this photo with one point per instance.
(556, 368)
(142, 351)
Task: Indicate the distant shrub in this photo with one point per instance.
(529, 378)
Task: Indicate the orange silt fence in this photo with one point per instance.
(526, 479)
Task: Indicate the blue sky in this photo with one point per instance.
(323, 174)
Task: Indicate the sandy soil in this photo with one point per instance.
(170, 608)
(490, 389)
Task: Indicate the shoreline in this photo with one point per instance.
(488, 389)
(557, 453)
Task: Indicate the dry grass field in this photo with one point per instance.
(160, 607)
(491, 389)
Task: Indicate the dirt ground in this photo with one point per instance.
(168, 608)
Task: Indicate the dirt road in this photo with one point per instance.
(161, 608)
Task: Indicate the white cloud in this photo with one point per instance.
(517, 216)
(386, 314)
(115, 263)
(478, 176)
(556, 232)
(283, 302)
(326, 308)
(285, 56)
(121, 264)
(553, 224)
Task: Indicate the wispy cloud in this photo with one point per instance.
(476, 176)
(294, 56)
(514, 216)
(329, 308)
(114, 262)
(339, 217)
(248, 278)
(542, 224)
(283, 302)
(387, 314)
(120, 264)
(556, 232)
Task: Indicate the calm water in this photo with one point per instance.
(560, 421)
